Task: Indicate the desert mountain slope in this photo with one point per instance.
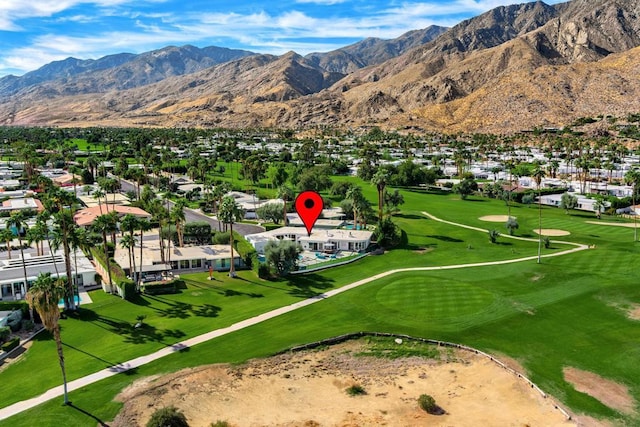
(512, 68)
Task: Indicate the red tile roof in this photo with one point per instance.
(85, 217)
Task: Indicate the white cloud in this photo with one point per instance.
(12, 11)
(322, 2)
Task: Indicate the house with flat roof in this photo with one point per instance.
(188, 259)
(19, 204)
(320, 240)
(12, 283)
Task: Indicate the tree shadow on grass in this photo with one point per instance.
(106, 362)
(174, 309)
(444, 238)
(89, 414)
(309, 285)
(207, 310)
(234, 293)
(180, 310)
(138, 299)
(408, 216)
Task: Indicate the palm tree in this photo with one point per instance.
(98, 194)
(219, 192)
(18, 220)
(229, 212)
(159, 215)
(537, 174)
(129, 223)
(354, 194)
(78, 241)
(60, 204)
(128, 242)
(285, 193)
(632, 178)
(380, 180)
(143, 225)
(106, 224)
(177, 216)
(6, 235)
(43, 296)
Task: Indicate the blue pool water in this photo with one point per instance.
(76, 299)
(350, 227)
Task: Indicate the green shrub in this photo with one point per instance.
(28, 325)
(5, 331)
(220, 424)
(167, 417)
(245, 249)
(428, 404)
(11, 344)
(356, 390)
(221, 238)
(128, 288)
(264, 271)
(160, 288)
(198, 232)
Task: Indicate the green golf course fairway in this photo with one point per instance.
(567, 311)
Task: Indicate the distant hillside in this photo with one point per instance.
(512, 68)
(373, 51)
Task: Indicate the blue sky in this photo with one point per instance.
(36, 32)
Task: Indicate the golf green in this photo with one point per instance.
(430, 299)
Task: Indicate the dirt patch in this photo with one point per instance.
(494, 218)
(610, 393)
(423, 251)
(551, 232)
(634, 312)
(308, 389)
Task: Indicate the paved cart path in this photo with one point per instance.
(143, 360)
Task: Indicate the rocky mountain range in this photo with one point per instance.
(512, 68)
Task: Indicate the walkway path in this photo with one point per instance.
(143, 360)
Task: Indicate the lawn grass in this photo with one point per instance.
(567, 311)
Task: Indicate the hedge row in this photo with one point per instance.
(11, 344)
(170, 287)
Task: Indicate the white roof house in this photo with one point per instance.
(12, 274)
(584, 203)
(250, 203)
(319, 241)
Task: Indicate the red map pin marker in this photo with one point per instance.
(309, 206)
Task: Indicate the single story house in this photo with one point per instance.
(24, 203)
(584, 203)
(85, 217)
(325, 240)
(250, 203)
(12, 284)
(187, 259)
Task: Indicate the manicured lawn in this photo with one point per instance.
(567, 311)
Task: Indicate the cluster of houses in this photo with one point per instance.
(329, 236)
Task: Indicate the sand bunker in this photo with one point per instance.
(551, 232)
(608, 392)
(494, 218)
(308, 389)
